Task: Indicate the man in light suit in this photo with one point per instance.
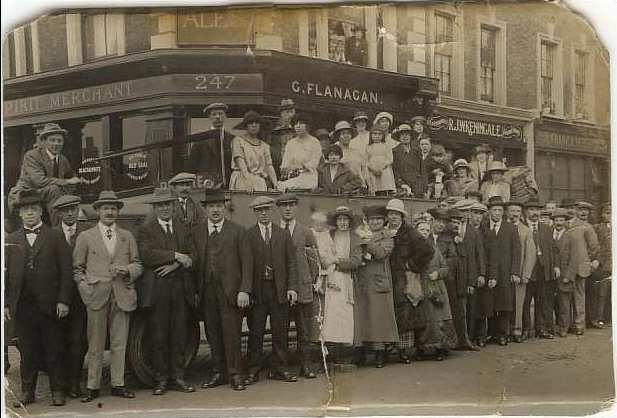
(514, 212)
(565, 286)
(75, 324)
(45, 169)
(166, 249)
(269, 259)
(303, 313)
(105, 266)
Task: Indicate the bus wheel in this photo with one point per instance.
(139, 343)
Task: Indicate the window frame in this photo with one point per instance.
(456, 46)
(500, 72)
(588, 80)
(557, 87)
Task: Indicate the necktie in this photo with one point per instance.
(215, 232)
(495, 229)
(56, 169)
(168, 228)
(535, 238)
(183, 206)
(288, 228)
(33, 231)
(268, 234)
(109, 234)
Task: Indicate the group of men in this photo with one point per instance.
(507, 256)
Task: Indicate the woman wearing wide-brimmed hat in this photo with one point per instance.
(462, 181)
(496, 185)
(338, 324)
(353, 157)
(375, 322)
(385, 121)
(301, 157)
(478, 167)
(379, 174)
(410, 255)
(251, 158)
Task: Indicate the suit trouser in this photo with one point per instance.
(603, 289)
(596, 295)
(112, 317)
(535, 291)
(279, 324)
(566, 304)
(499, 324)
(39, 336)
(302, 315)
(579, 302)
(167, 321)
(76, 343)
(471, 316)
(458, 306)
(520, 291)
(548, 305)
(223, 323)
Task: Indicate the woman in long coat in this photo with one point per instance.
(375, 321)
(410, 255)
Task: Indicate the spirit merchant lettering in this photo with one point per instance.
(475, 127)
(335, 92)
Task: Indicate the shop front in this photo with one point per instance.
(572, 161)
(130, 119)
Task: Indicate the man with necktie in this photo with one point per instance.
(602, 282)
(303, 313)
(106, 265)
(38, 296)
(224, 290)
(166, 250)
(75, 324)
(269, 259)
(565, 282)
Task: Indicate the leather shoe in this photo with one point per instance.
(481, 342)
(26, 400)
(579, 332)
(380, 359)
(518, 339)
(57, 398)
(122, 392)
(91, 394)
(547, 336)
(502, 341)
(596, 325)
(404, 358)
(217, 379)
(159, 389)
(283, 376)
(237, 383)
(563, 334)
(180, 385)
(251, 378)
(74, 391)
(307, 373)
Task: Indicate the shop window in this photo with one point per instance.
(580, 84)
(100, 35)
(488, 63)
(346, 35)
(53, 50)
(562, 175)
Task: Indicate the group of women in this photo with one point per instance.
(383, 285)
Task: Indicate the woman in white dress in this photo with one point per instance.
(251, 161)
(353, 157)
(301, 158)
(379, 174)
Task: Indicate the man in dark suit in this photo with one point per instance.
(303, 313)
(223, 288)
(75, 324)
(269, 259)
(601, 277)
(503, 264)
(565, 282)
(211, 153)
(405, 161)
(166, 253)
(45, 169)
(184, 208)
(38, 295)
(542, 285)
(335, 177)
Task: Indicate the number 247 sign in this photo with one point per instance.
(214, 82)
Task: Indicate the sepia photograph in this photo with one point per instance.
(308, 209)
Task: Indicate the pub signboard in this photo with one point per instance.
(475, 128)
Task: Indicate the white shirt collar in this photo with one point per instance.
(104, 228)
(71, 228)
(165, 223)
(292, 224)
(51, 156)
(212, 225)
(40, 224)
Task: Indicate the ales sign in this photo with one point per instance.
(476, 128)
(224, 27)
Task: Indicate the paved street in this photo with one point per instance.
(572, 376)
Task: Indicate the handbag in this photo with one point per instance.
(413, 287)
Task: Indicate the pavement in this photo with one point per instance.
(564, 376)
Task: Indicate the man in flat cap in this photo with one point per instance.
(281, 133)
(269, 259)
(38, 296)
(75, 324)
(106, 265)
(565, 283)
(46, 170)
(303, 313)
(166, 250)
(224, 290)
(604, 272)
(184, 208)
(210, 154)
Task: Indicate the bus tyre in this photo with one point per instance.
(139, 354)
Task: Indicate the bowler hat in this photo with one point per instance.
(65, 201)
(160, 195)
(287, 104)
(515, 202)
(28, 197)
(495, 201)
(261, 202)
(51, 128)
(454, 213)
(439, 213)
(341, 126)
(397, 205)
(182, 178)
(108, 197)
(375, 211)
(215, 106)
(534, 203)
(561, 213)
(250, 117)
(340, 211)
(214, 196)
(286, 198)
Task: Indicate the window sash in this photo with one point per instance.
(579, 82)
(443, 67)
(547, 52)
(444, 28)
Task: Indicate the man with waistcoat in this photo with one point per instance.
(223, 289)
(166, 251)
(38, 296)
(75, 324)
(106, 265)
(565, 285)
(269, 259)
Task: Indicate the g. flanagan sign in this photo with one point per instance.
(478, 128)
(348, 94)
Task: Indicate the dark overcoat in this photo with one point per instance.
(345, 180)
(302, 238)
(205, 155)
(470, 261)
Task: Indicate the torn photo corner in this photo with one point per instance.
(341, 209)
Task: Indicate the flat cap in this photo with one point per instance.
(261, 202)
(66, 201)
(495, 201)
(463, 204)
(160, 195)
(456, 214)
(286, 198)
(584, 204)
(182, 178)
(479, 207)
(215, 106)
(561, 213)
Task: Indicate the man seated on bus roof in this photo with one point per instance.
(45, 169)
